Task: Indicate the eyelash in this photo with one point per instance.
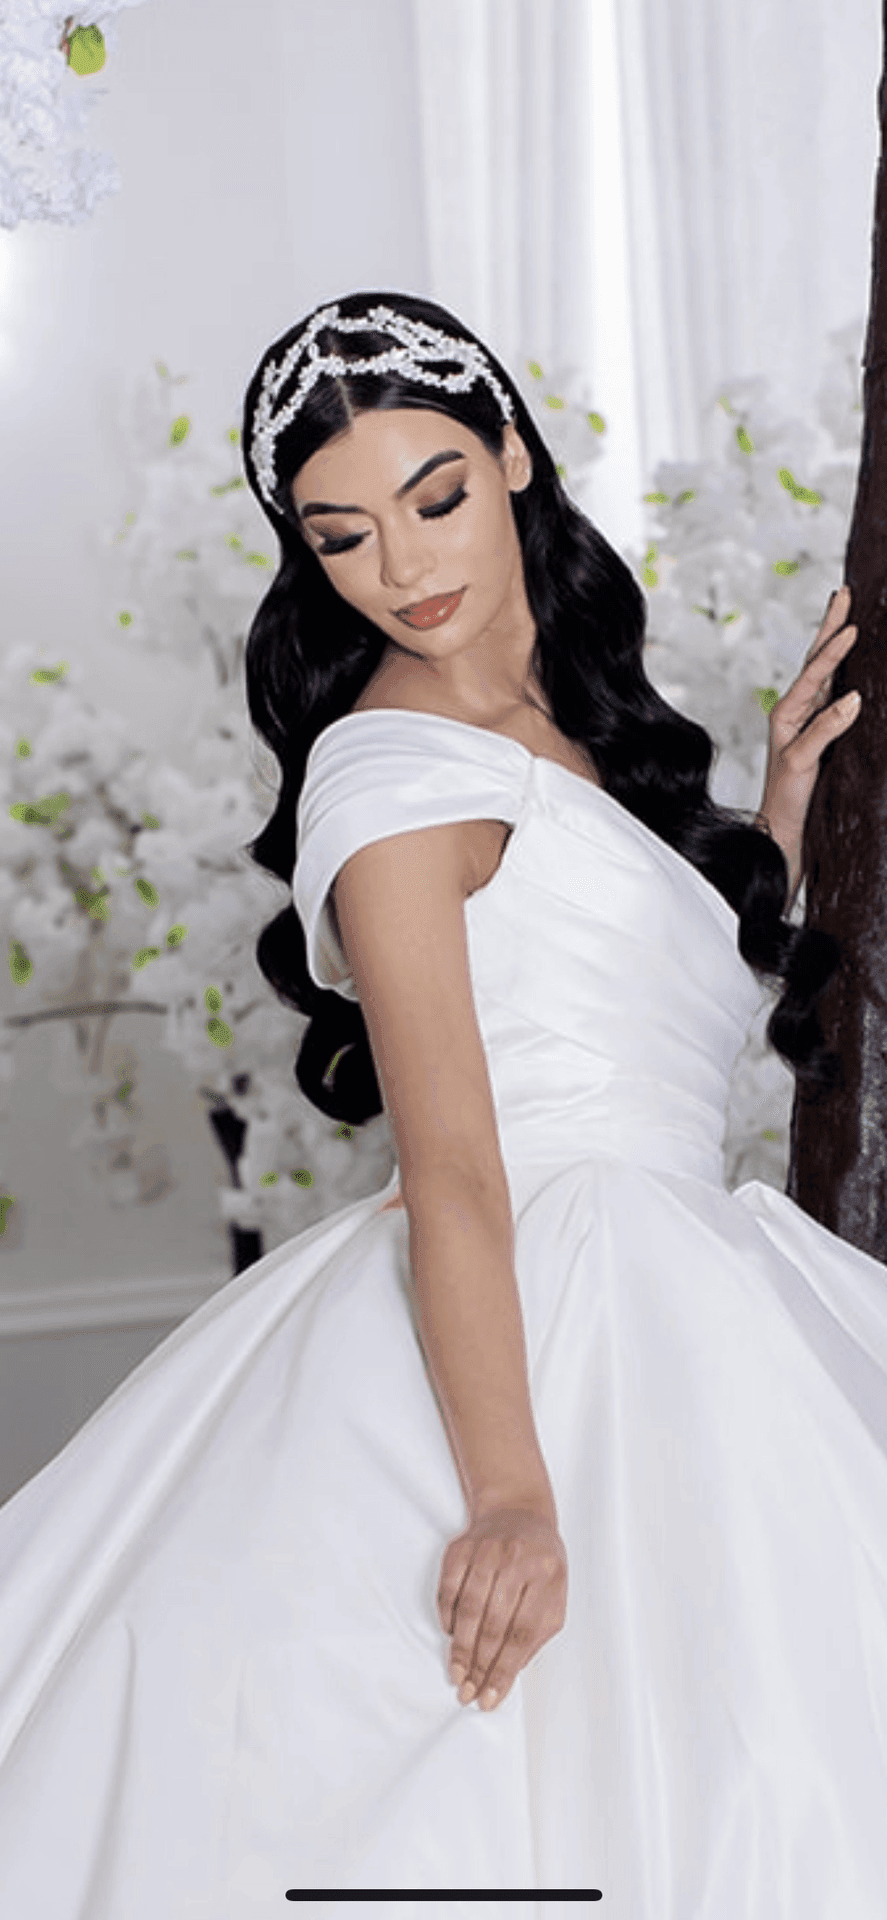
(427, 513)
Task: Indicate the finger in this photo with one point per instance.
(517, 1650)
(813, 684)
(469, 1613)
(837, 610)
(456, 1569)
(494, 1627)
(806, 748)
(834, 646)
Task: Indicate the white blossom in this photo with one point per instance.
(44, 175)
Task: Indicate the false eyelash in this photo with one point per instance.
(437, 512)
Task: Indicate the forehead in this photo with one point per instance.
(383, 448)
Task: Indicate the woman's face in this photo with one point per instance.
(410, 516)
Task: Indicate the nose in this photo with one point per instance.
(403, 559)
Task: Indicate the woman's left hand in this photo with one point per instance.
(801, 725)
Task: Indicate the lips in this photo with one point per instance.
(431, 613)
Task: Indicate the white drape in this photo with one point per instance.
(663, 193)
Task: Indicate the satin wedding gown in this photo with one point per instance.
(223, 1676)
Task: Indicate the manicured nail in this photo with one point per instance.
(488, 1698)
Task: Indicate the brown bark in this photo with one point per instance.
(838, 1166)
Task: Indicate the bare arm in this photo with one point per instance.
(400, 909)
(471, 1327)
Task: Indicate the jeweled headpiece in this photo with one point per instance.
(417, 347)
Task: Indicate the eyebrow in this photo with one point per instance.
(428, 466)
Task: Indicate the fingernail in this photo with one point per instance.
(457, 1674)
(852, 700)
(467, 1692)
(489, 1698)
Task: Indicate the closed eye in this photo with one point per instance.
(436, 512)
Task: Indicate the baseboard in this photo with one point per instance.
(137, 1302)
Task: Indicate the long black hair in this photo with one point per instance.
(309, 654)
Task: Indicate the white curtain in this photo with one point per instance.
(750, 152)
(662, 193)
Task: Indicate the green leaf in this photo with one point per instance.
(726, 618)
(212, 999)
(650, 554)
(650, 577)
(689, 493)
(23, 748)
(44, 676)
(233, 540)
(560, 470)
(228, 486)
(187, 553)
(744, 440)
(162, 369)
(786, 566)
(768, 697)
(220, 1033)
(806, 495)
(302, 1177)
(268, 1179)
(657, 499)
(179, 430)
(147, 892)
(554, 400)
(124, 619)
(344, 1132)
(7, 1200)
(124, 1090)
(20, 966)
(770, 1133)
(724, 402)
(258, 560)
(597, 421)
(43, 812)
(535, 369)
(145, 954)
(234, 437)
(86, 50)
(150, 820)
(176, 935)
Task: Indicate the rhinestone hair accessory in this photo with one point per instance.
(417, 347)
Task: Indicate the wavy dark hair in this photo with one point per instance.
(309, 654)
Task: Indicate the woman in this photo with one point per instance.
(554, 1426)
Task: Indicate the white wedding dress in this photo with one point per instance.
(223, 1675)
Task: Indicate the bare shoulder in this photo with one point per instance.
(400, 910)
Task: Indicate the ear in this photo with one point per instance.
(517, 465)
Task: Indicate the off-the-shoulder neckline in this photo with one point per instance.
(589, 786)
(449, 720)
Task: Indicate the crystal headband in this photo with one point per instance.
(418, 345)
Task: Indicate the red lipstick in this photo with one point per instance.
(431, 613)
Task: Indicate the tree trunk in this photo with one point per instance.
(838, 1165)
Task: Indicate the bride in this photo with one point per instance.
(554, 1427)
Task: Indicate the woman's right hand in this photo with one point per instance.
(502, 1594)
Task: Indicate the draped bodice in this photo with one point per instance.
(610, 993)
